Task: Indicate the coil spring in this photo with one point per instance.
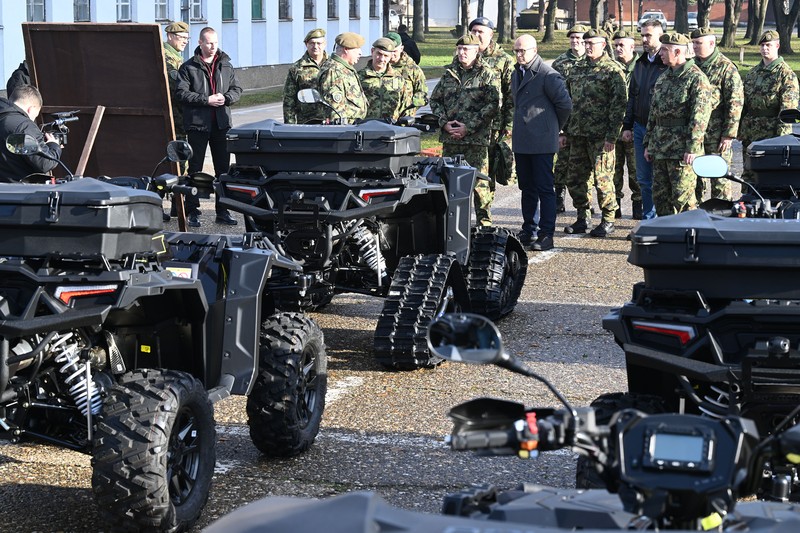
(367, 244)
(722, 401)
(77, 375)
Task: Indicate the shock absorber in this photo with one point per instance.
(370, 252)
(78, 377)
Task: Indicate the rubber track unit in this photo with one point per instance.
(418, 287)
(152, 419)
(495, 271)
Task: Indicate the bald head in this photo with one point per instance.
(525, 49)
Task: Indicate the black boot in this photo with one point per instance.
(637, 211)
(560, 207)
(579, 226)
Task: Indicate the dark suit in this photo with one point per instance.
(541, 108)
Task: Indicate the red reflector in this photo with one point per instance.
(683, 333)
(366, 194)
(66, 294)
(250, 191)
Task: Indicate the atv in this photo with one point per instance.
(362, 213)
(116, 338)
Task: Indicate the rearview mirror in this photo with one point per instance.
(465, 337)
(179, 151)
(22, 144)
(789, 116)
(309, 96)
(710, 166)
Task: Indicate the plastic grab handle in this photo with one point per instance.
(184, 190)
(476, 440)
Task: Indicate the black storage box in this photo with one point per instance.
(722, 257)
(81, 217)
(277, 147)
(775, 161)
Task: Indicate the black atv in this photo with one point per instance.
(363, 214)
(116, 338)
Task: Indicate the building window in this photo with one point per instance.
(309, 9)
(36, 12)
(284, 9)
(333, 9)
(227, 10)
(82, 11)
(162, 10)
(354, 9)
(373, 9)
(258, 10)
(196, 10)
(123, 10)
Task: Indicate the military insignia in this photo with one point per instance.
(337, 97)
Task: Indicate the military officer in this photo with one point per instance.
(723, 126)
(388, 93)
(466, 99)
(625, 54)
(338, 80)
(599, 96)
(177, 39)
(679, 111)
(408, 69)
(303, 75)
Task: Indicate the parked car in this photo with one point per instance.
(394, 19)
(658, 15)
(693, 20)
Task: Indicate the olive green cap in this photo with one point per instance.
(770, 35)
(349, 39)
(314, 34)
(578, 28)
(469, 40)
(385, 44)
(592, 33)
(675, 38)
(177, 27)
(395, 37)
(622, 34)
(701, 32)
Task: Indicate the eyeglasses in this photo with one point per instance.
(522, 50)
(592, 43)
(182, 37)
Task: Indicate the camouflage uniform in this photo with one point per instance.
(767, 90)
(679, 110)
(599, 97)
(302, 75)
(503, 64)
(472, 97)
(724, 121)
(340, 87)
(563, 64)
(412, 72)
(388, 94)
(624, 154)
(174, 60)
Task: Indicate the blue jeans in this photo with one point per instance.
(644, 172)
(535, 180)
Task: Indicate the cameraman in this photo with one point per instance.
(17, 115)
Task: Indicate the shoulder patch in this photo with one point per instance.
(337, 97)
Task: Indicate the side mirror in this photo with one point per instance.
(789, 116)
(309, 96)
(22, 144)
(710, 166)
(465, 337)
(789, 442)
(179, 151)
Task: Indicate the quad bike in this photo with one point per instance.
(664, 472)
(362, 214)
(116, 338)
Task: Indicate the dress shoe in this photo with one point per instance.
(165, 217)
(226, 219)
(525, 237)
(579, 226)
(637, 211)
(543, 243)
(602, 230)
(193, 221)
(618, 213)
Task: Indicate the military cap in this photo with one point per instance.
(768, 36)
(675, 38)
(393, 35)
(314, 34)
(177, 27)
(468, 40)
(701, 32)
(622, 34)
(482, 21)
(349, 39)
(385, 44)
(592, 33)
(579, 28)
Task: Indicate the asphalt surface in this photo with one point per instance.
(383, 431)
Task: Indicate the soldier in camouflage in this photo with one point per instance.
(388, 93)
(563, 64)
(466, 99)
(723, 126)
(338, 80)
(177, 39)
(599, 95)
(405, 66)
(303, 75)
(768, 88)
(625, 53)
(679, 111)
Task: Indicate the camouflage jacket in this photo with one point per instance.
(302, 75)
(469, 96)
(767, 90)
(494, 57)
(388, 95)
(599, 96)
(174, 60)
(564, 63)
(724, 76)
(627, 68)
(339, 86)
(412, 72)
(679, 110)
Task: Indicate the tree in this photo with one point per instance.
(620, 15)
(681, 22)
(641, 10)
(420, 13)
(596, 9)
(759, 15)
(703, 11)
(786, 13)
(503, 20)
(733, 10)
(464, 16)
(480, 8)
(550, 22)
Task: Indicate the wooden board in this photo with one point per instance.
(118, 66)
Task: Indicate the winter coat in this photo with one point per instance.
(14, 167)
(195, 85)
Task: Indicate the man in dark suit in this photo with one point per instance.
(541, 108)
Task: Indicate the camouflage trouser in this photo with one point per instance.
(561, 167)
(624, 154)
(483, 194)
(591, 166)
(720, 187)
(747, 175)
(674, 185)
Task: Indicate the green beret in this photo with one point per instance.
(592, 33)
(395, 37)
(177, 27)
(701, 32)
(385, 44)
(469, 40)
(579, 28)
(314, 34)
(675, 38)
(770, 35)
(349, 39)
(622, 34)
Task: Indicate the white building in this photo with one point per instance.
(261, 36)
(448, 13)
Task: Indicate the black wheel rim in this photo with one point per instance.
(183, 460)
(510, 273)
(307, 393)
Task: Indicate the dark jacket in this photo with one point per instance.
(410, 47)
(21, 76)
(195, 86)
(15, 167)
(541, 108)
(640, 89)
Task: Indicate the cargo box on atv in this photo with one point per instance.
(274, 146)
(80, 217)
(775, 162)
(723, 257)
